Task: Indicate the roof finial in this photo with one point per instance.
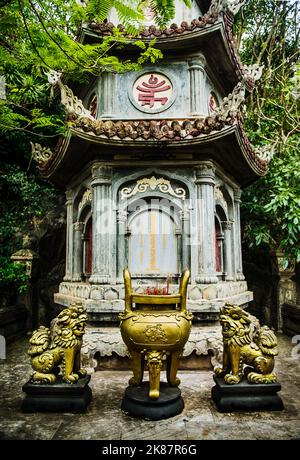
(224, 6)
(232, 102)
(39, 153)
(254, 71)
(72, 104)
(266, 152)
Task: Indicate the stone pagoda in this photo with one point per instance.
(153, 166)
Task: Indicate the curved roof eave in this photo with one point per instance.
(228, 146)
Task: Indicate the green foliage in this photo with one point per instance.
(13, 274)
(165, 10)
(131, 12)
(28, 200)
(128, 12)
(271, 206)
(36, 36)
(268, 34)
(40, 35)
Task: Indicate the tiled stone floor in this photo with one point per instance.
(104, 419)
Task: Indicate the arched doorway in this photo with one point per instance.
(153, 228)
(153, 243)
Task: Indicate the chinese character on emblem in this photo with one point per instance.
(153, 91)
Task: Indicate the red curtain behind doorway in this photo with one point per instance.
(89, 247)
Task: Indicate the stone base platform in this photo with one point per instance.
(246, 396)
(104, 303)
(137, 403)
(57, 397)
(102, 343)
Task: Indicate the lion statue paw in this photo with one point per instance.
(219, 372)
(254, 377)
(232, 379)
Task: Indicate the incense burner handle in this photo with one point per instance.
(128, 291)
(183, 289)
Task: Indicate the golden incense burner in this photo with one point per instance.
(158, 326)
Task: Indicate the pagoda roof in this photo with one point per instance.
(211, 31)
(186, 141)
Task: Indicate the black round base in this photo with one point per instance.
(136, 402)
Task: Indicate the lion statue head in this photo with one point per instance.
(68, 327)
(238, 324)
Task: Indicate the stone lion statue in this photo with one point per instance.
(246, 342)
(59, 345)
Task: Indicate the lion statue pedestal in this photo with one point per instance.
(154, 327)
(254, 387)
(58, 383)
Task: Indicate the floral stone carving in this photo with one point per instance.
(163, 185)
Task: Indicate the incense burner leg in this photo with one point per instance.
(154, 360)
(137, 360)
(172, 367)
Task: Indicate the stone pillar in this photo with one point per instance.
(26, 310)
(78, 251)
(237, 231)
(121, 244)
(180, 250)
(69, 237)
(108, 94)
(288, 315)
(198, 100)
(229, 267)
(102, 223)
(205, 208)
(185, 219)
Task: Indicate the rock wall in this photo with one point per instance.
(20, 313)
(276, 300)
(52, 248)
